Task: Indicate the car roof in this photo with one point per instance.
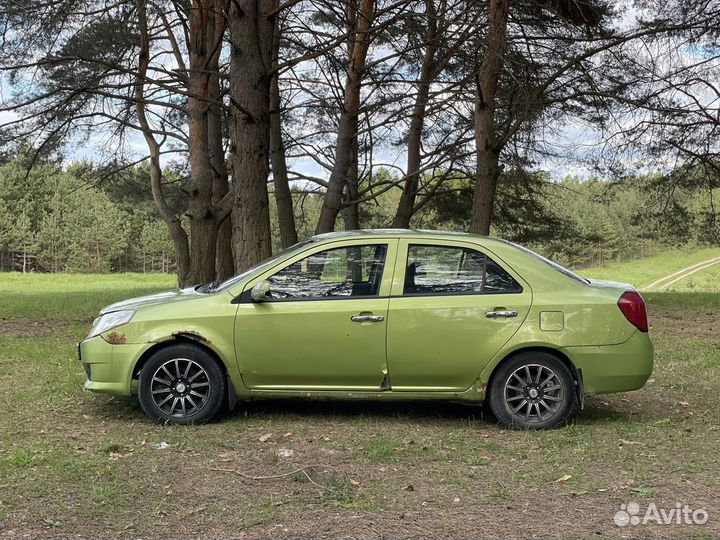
(407, 233)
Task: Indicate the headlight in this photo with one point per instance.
(109, 321)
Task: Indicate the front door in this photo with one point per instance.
(450, 313)
(323, 326)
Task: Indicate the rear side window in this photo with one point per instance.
(552, 264)
(448, 270)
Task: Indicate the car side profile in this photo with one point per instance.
(383, 314)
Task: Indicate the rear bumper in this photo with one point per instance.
(614, 368)
(108, 367)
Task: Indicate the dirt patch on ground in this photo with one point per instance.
(687, 325)
(29, 328)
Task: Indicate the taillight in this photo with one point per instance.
(633, 307)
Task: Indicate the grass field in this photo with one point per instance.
(704, 281)
(642, 272)
(76, 464)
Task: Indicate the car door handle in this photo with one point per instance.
(367, 318)
(501, 314)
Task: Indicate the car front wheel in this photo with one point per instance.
(533, 390)
(181, 384)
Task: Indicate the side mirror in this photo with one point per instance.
(260, 292)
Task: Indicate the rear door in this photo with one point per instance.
(453, 306)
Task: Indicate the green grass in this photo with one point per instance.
(697, 291)
(72, 297)
(77, 464)
(707, 280)
(682, 300)
(381, 451)
(643, 272)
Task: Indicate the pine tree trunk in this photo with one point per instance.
(347, 129)
(203, 223)
(487, 160)
(488, 171)
(224, 263)
(351, 209)
(175, 229)
(406, 205)
(251, 33)
(283, 197)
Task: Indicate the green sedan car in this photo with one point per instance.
(383, 314)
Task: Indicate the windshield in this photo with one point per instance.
(266, 263)
(556, 266)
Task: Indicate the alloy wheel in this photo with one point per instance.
(180, 387)
(533, 393)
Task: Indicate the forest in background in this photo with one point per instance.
(250, 116)
(70, 219)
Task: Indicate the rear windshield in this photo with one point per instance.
(554, 265)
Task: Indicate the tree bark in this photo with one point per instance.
(406, 205)
(351, 208)
(224, 263)
(203, 223)
(347, 128)
(175, 229)
(488, 153)
(283, 197)
(251, 34)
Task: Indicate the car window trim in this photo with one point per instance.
(468, 293)
(244, 297)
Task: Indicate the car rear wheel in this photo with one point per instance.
(182, 384)
(533, 390)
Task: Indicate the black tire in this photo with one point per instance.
(532, 390)
(182, 384)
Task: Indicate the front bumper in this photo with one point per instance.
(109, 367)
(614, 368)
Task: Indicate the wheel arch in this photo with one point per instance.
(192, 339)
(565, 359)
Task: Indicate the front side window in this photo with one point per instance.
(341, 272)
(454, 270)
(267, 263)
